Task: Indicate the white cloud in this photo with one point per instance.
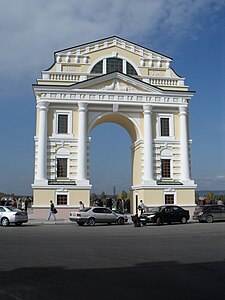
(31, 31)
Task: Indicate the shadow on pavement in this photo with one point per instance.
(163, 280)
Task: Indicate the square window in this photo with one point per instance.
(61, 199)
(62, 123)
(61, 167)
(169, 199)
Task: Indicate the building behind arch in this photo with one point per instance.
(112, 80)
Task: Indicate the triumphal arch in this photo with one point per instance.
(112, 80)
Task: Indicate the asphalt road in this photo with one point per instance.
(112, 262)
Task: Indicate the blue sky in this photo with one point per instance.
(191, 32)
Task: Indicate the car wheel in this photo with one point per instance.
(18, 223)
(5, 222)
(91, 222)
(158, 221)
(183, 220)
(120, 221)
(209, 219)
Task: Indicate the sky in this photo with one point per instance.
(191, 32)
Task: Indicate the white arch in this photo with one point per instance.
(62, 152)
(166, 153)
(102, 115)
(110, 56)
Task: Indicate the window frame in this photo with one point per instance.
(67, 168)
(126, 65)
(63, 193)
(159, 135)
(170, 194)
(170, 168)
(57, 113)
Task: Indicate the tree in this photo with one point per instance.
(209, 196)
(123, 195)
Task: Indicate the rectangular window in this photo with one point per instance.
(62, 123)
(169, 199)
(165, 129)
(61, 199)
(165, 165)
(61, 167)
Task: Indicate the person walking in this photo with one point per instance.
(141, 207)
(52, 211)
(81, 205)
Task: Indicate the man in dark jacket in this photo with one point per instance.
(52, 211)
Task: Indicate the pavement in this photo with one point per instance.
(34, 221)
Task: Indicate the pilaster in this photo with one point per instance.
(148, 149)
(41, 176)
(82, 144)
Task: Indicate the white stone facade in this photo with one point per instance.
(144, 95)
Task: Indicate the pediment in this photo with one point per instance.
(84, 50)
(117, 82)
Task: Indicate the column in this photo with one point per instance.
(82, 143)
(184, 152)
(148, 149)
(41, 176)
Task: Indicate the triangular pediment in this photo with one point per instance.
(117, 82)
(110, 42)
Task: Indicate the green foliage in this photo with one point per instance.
(123, 195)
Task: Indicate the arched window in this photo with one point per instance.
(114, 64)
(131, 70)
(98, 68)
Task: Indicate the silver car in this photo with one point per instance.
(92, 215)
(10, 214)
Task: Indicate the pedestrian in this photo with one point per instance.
(26, 204)
(52, 211)
(110, 203)
(81, 205)
(136, 220)
(141, 207)
(19, 204)
(23, 205)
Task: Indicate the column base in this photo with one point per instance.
(40, 182)
(188, 182)
(82, 182)
(149, 182)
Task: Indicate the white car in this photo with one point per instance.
(92, 215)
(10, 214)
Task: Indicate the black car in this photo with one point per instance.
(165, 214)
(209, 213)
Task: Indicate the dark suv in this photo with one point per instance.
(209, 213)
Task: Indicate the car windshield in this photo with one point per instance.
(154, 210)
(86, 209)
(201, 208)
(12, 208)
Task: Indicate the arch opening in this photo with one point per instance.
(110, 158)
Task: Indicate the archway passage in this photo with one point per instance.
(110, 159)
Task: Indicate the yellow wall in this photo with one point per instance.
(42, 197)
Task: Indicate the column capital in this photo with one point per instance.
(147, 109)
(82, 106)
(42, 105)
(183, 110)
